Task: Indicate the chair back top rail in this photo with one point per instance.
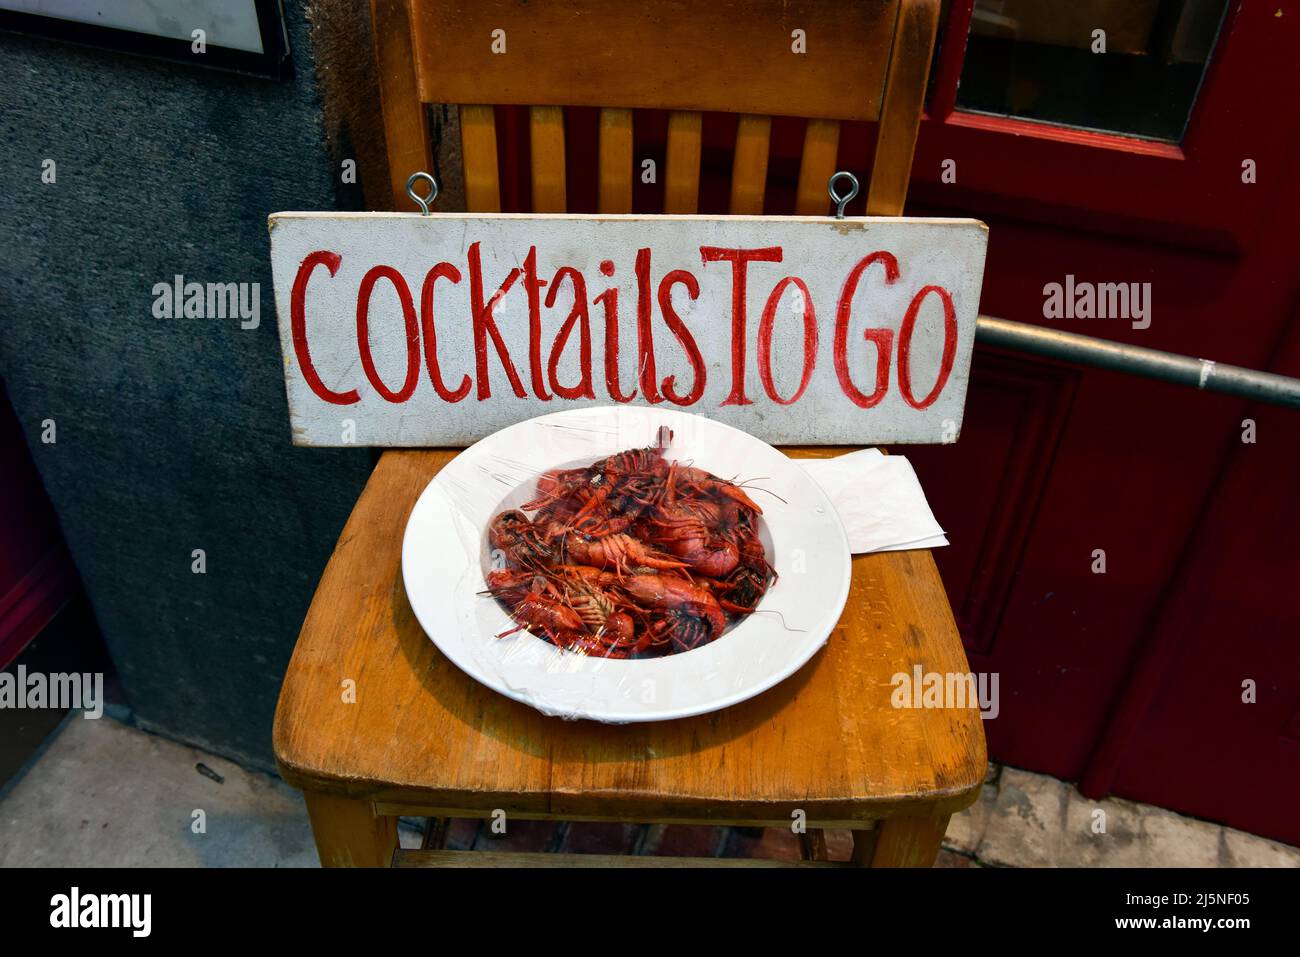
(824, 61)
(806, 58)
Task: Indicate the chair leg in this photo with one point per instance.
(435, 834)
(813, 845)
(864, 846)
(901, 842)
(347, 832)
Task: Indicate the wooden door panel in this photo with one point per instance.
(1017, 412)
(1134, 465)
(1200, 748)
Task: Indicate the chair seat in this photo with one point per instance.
(421, 737)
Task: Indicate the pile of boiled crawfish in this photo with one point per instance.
(630, 557)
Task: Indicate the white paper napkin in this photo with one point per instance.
(879, 499)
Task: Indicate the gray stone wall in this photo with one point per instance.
(172, 434)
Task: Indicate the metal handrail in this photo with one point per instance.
(1137, 360)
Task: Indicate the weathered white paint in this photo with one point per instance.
(819, 250)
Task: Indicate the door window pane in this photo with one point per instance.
(1043, 60)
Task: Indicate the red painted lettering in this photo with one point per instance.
(578, 313)
(905, 346)
(485, 325)
(451, 273)
(298, 323)
(740, 260)
(609, 301)
(683, 336)
(533, 286)
(883, 338)
(765, 340)
(412, 332)
(645, 343)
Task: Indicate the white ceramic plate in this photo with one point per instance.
(444, 559)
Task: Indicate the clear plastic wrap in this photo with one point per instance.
(625, 564)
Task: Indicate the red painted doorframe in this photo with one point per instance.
(1189, 193)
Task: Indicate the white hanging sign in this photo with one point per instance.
(407, 330)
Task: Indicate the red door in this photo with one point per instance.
(1121, 548)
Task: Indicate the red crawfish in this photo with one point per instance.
(520, 540)
(687, 615)
(681, 531)
(548, 615)
(705, 483)
(741, 590)
(618, 552)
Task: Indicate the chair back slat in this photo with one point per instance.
(771, 57)
(900, 117)
(821, 143)
(682, 175)
(616, 172)
(478, 143)
(546, 158)
(406, 129)
(749, 164)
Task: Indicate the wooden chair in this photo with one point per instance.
(415, 736)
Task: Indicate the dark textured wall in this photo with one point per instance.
(172, 434)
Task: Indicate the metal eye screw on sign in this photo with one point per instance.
(842, 201)
(424, 202)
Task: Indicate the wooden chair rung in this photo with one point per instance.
(411, 858)
(435, 834)
(813, 845)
